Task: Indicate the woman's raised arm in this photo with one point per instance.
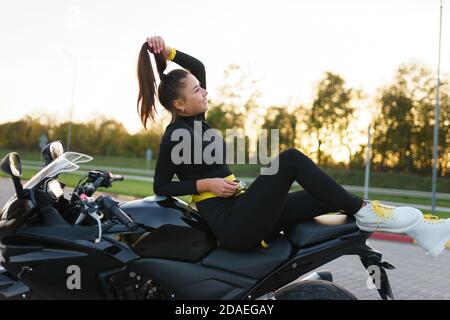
(195, 66)
(192, 64)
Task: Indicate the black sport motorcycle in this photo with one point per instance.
(86, 247)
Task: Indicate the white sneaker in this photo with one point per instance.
(375, 216)
(432, 234)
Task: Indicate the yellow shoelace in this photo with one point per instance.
(382, 211)
(432, 219)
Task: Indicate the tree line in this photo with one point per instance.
(401, 114)
(96, 137)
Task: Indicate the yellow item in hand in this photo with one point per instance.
(206, 195)
(264, 244)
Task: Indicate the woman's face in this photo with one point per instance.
(195, 98)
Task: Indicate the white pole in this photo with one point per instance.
(436, 122)
(75, 62)
(75, 65)
(366, 177)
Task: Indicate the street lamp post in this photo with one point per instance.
(75, 62)
(366, 176)
(436, 121)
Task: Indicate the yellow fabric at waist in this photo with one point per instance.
(206, 195)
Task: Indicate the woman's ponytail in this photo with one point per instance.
(146, 103)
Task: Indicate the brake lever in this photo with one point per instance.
(84, 202)
(93, 213)
(91, 210)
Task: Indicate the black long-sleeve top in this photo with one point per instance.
(187, 173)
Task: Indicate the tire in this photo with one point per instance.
(314, 290)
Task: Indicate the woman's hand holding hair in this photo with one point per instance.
(157, 46)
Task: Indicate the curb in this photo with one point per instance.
(396, 238)
(392, 237)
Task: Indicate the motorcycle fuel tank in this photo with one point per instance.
(156, 211)
(174, 230)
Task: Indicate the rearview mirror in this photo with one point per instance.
(52, 151)
(11, 165)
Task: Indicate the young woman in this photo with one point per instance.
(240, 218)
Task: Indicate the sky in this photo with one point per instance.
(287, 44)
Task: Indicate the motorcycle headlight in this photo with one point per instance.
(53, 189)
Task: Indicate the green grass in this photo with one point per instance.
(439, 203)
(112, 161)
(140, 189)
(392, 180)
(343, 176)
(403, 199)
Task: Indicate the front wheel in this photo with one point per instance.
(314, 290)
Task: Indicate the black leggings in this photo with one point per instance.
(267, 207)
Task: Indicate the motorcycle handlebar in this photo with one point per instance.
(112, 207)
(116, 177)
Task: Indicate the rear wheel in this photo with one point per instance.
(314, 290)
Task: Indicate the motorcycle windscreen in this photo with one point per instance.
(67, 162)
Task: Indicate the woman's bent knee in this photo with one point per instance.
(292, 153)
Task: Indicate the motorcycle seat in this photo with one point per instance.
(255, 263)
(320, 229)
